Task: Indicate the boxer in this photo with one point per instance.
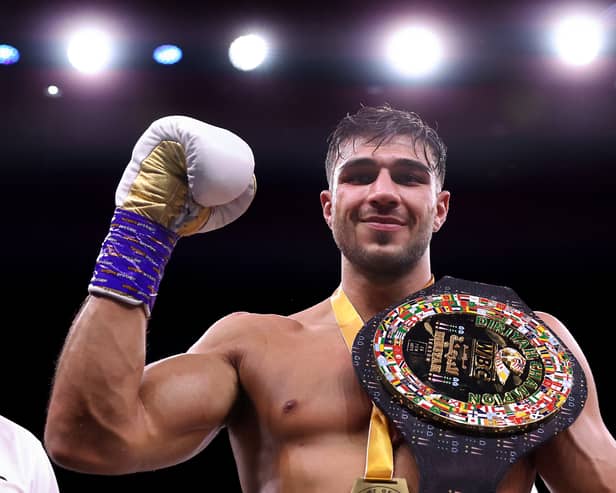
(284, 387)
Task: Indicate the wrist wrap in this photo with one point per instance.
(132, 259)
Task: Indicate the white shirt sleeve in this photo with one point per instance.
(43, 477)
(24, 464)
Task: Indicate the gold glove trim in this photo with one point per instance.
(160, 190)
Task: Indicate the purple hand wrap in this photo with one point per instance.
(132, 259)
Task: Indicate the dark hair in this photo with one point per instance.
(379, 124)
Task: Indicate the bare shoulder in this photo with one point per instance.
(315, 317)
(564, 334)
(558, 327)
(240, 329)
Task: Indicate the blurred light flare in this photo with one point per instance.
(167, 54)
(89, 50)
(8, 54)
(53, 91)
(415, 51)
(578, 39)
(248, 52)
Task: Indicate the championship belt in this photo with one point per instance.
(471, 378)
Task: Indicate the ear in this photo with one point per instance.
(326, 205)
(442, 208)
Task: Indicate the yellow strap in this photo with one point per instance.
(379, 452)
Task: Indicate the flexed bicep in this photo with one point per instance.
(185, 401)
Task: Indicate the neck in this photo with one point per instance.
(369, 296)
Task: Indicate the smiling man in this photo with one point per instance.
(311, 427)
(385, 199)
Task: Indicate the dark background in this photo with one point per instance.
(530, 168)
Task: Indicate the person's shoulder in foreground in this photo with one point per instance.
(24, 465)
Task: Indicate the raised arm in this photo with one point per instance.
(583, 457)
(108, 413)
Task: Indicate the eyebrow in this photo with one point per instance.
(366, 161)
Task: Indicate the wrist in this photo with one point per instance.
(132, 259)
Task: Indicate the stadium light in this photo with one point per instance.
(8, 54)
(578, 39)
(414, 51)
(167, 54)
(248, 52)
(89, 50)
(53, 91)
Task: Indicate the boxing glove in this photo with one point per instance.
(184, 177)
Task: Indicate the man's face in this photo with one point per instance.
(384, 205)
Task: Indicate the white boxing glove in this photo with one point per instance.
(176, 152)
(184, 177)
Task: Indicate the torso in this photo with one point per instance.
(301, 422)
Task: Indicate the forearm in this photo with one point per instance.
(94, 403)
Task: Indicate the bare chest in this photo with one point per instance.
(303, 407)
(303, 382)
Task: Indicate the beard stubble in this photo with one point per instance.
(383, 266)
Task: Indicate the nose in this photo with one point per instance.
(383, 191)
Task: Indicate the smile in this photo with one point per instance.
(383, 223)
(384, 226)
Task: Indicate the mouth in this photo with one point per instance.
(383, 223)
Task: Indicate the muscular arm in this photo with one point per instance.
(108, 414)
(583, 457)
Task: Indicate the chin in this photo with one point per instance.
(382, 254)
(391, 259)
(383, 263)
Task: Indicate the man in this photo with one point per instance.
(24, 465)
(304, 428)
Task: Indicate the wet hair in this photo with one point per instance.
(379, 125)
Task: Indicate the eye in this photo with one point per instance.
(358, 177)
(409, 177)
(405, 179)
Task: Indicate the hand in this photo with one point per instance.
(188, 176)
(184, 177)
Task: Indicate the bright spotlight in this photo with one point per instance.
(8, 55)
(89, 51)
(248, 52)
(167, 54)
(415, 51)
(53, 91)
(578, 39)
